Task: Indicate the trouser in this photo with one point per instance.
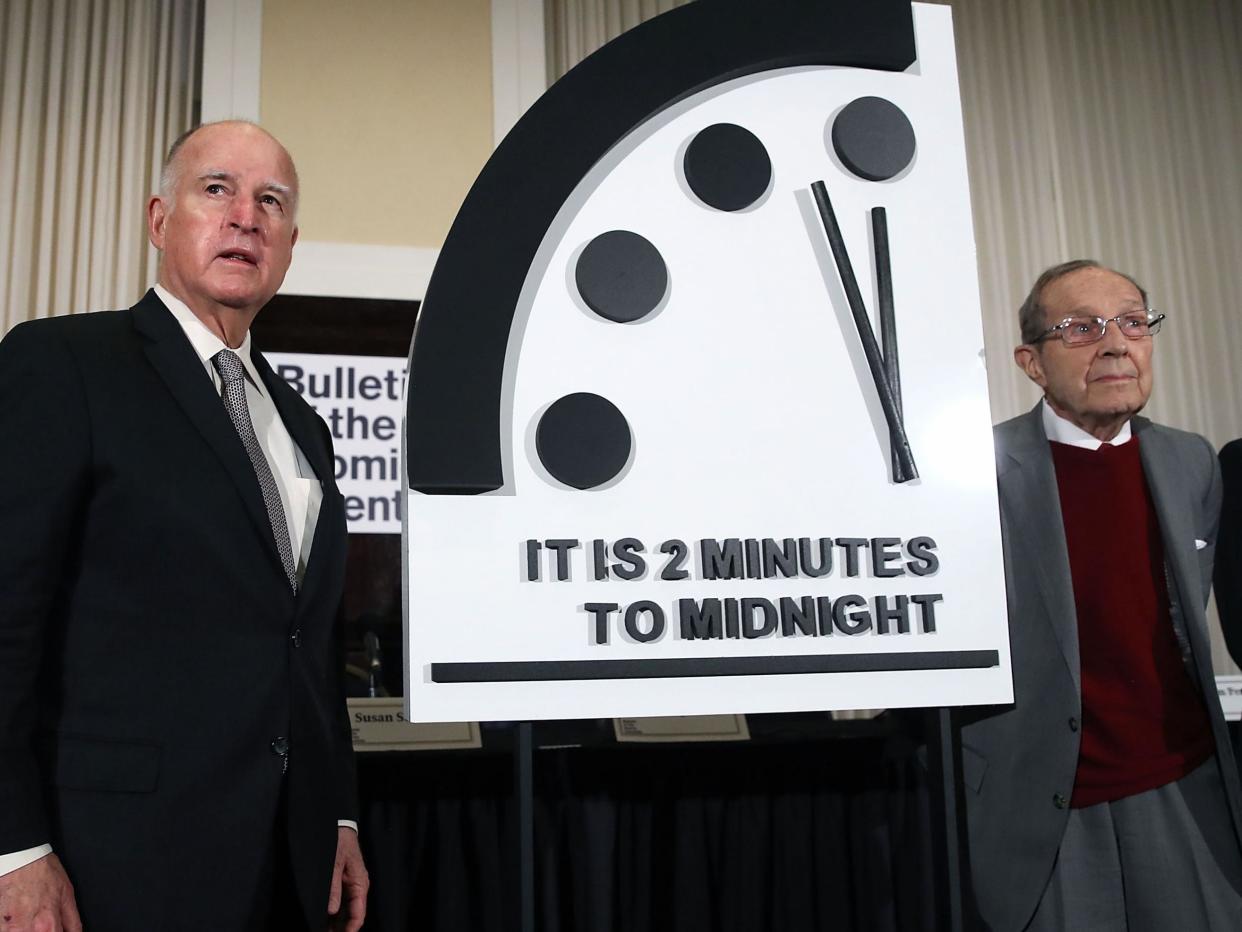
(1167, 859)
(276, 905)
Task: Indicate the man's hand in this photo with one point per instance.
(39, 898)
(347, 899)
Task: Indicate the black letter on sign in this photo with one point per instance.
(857, 621)
(809, 566)
(699, 623)
(928, 604)
(925, 561)
(532, 560)
(851, 545)
(677, 551)
(754, 567)
(600, 551)
(721, 564)
(782, 557)
(799, 617)
(768, 610)
(627, 550)
(884, 552)
(601, 611)
(657, 621)
(825, 614)
(562, 548)
(900, 614)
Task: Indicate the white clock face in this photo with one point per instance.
(684, 366)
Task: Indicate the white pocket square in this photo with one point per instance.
(1200, 544)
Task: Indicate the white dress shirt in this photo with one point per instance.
(1060, 430)
(300, 491)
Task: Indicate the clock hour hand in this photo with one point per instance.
(871, 349)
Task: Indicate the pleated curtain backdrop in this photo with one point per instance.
(576, 28)
(1109, 129)
(1112, 129)
(92, 93)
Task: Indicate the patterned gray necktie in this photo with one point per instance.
(229, 365)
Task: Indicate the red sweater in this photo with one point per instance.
(1143, 720)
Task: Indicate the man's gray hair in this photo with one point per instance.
(170, 174)
(1031, 321)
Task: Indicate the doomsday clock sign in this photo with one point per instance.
(697, 417)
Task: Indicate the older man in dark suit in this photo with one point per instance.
(1106, 797)
(174, 746)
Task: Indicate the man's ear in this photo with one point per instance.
(1028, 360)
(293, 242)
(157, 214)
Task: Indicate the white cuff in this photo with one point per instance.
(343, 823)
(11, 862)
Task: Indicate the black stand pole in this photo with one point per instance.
(524, 767)
(944, 786)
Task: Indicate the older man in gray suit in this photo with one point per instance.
(1106, 797)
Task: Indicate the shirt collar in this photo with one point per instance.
(206, 343)
(1060, 430)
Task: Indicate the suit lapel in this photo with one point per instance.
(174, 359)
(1177, 531)
(1032, 510)
(304, 426)
(306, 429)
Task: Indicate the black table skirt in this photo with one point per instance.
(780, 834)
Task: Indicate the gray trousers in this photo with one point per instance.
(1162, 861)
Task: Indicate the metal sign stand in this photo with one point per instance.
(945, 798)
(524, 772)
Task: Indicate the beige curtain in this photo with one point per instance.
(92, 93)
(576, 28)
(1109, 129)
(1112, 129)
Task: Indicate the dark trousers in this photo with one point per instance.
(276, 905)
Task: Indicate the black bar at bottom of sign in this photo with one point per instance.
(530, 671)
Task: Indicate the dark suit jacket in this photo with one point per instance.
(1019, 761)
(1229, 550)
(151, 650)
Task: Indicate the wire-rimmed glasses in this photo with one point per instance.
(1134, 325)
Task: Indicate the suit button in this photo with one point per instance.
(296, 637)
(1059, 801)
(280, 746)
(1073, 723)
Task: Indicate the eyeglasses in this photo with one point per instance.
(1076, 331)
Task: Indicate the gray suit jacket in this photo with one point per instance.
(1019, 760)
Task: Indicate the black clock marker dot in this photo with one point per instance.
(583, 440)
(727, 166)
(873, 138)
(621, 276)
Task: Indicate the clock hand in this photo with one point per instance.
(888, 320)
(896, 430)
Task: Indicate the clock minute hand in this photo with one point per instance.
(888, 318)
(871, 349)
